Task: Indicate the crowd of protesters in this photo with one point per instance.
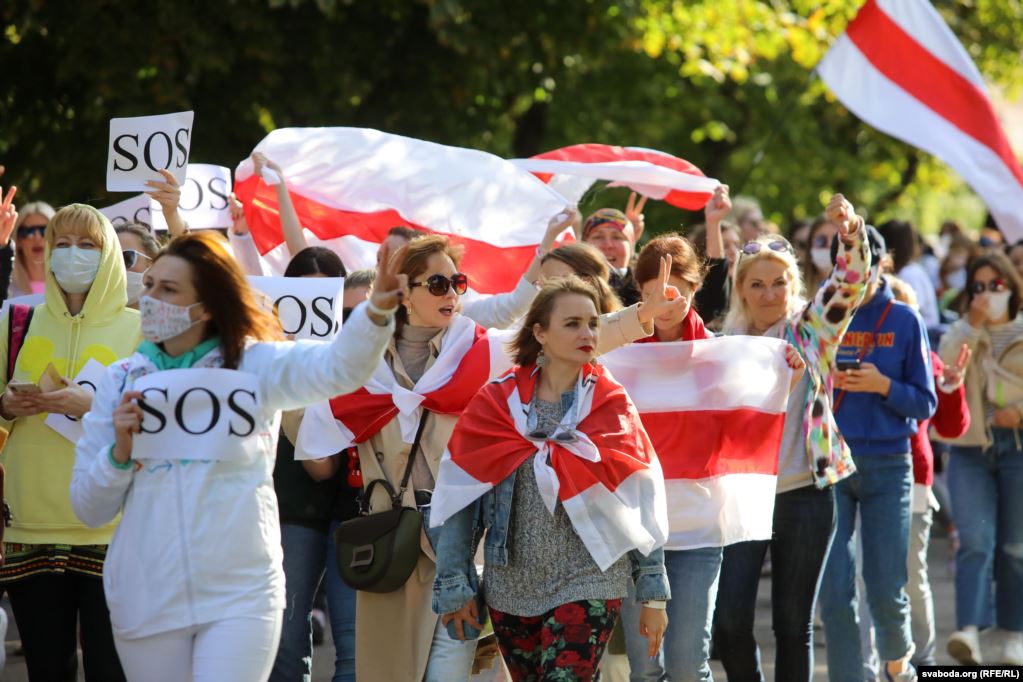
(904, 414)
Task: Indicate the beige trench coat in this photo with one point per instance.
(394, 631)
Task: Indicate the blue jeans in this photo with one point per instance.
(341, 605)
(804, 523)
(304, 551)
(693, 577)
(881, 489)
(987, 505)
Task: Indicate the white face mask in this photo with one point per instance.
(74, 268)
(135, 286)
(821, 259)
(998, 305)
(956, 279)
(161, 320)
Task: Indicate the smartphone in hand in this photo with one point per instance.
(24, 387)
(846, 365)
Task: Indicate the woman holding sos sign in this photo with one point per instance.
(181, 440)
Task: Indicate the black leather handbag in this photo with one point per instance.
(377, 552)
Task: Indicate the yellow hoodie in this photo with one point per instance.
(38, 460)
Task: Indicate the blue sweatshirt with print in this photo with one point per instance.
(873, 424)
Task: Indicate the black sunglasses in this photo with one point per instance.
(27, 231)
(438, 285)
(131, 257)
(780, 245)
(992, 286)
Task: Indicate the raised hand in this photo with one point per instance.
(389, 287)
(842, 213)
(719, 206)
(260, 161)
(8, 214)
(953, 376)
(558, 224)
(634, 212)
(665, 299)
(238, 224)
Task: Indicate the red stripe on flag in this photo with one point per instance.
(908, 64)
(602, 153)
(491, 269)
(704, 443)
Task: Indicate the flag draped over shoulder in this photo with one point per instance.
(607, 478)
(900, 68)
(351, 185)
(572, 170)
(715, 413)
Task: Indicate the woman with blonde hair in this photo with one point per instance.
(54, 561)
(29, 273)
(767, 301)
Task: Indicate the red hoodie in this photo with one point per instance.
(950, 420)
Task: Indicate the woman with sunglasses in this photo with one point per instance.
(54, 562)
(767, 301)
(555, 573)
(985, 473)
(139, 248)
(29, 273)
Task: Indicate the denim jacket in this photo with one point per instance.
(455, 544)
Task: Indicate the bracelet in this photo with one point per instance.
(379, 311)
(658, 604)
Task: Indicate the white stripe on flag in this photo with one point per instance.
(721, 511)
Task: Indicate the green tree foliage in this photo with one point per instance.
(727, 84)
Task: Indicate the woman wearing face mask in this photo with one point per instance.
(817, 265)
(194, 579)
(29, 274)
(766, 300)
(985, 474)
(139, 248)
(554, 574)
(54, 562)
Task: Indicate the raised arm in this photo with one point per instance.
(290, 226)
(168, 195)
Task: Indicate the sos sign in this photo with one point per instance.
(204, 198)
(198, 414)
(142, 146)
(308, 307)
(135, 210)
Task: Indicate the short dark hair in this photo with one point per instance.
(901, 240)
(405, 232)
(315, 260)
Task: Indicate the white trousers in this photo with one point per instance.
(229, 650)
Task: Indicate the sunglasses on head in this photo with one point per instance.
(131, 257)
(27, 231)
(780, 245)
(992, 286)
(438, 285)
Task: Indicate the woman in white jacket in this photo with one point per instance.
(193, 577)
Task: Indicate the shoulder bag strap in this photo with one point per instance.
(411, 459)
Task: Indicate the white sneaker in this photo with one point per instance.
(1012, 651)
(964, 646)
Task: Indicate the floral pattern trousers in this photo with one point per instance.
(562, 645)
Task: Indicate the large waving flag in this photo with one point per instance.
(715, 413)
(351, 185)
(572, 170)
(901, 69)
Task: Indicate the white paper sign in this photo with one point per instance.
(198, 414)
(138, 209)
(139, 147)
(308, 307)
(88, 378)
(204, 198)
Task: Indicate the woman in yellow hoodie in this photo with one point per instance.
(54, 562)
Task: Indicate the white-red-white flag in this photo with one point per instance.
(658, 175)
(715, 412)
(900, 68)
(351, 185)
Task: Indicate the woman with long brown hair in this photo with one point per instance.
(193, 579)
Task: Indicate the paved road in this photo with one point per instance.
(941, 581)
